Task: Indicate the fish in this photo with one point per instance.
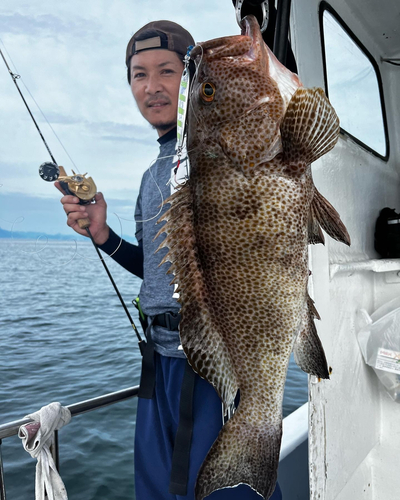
(237, 234)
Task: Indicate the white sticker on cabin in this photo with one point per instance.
(388, 361)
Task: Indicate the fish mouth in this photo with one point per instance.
(231, 46)
(245, 44)
(249, 45)
(251, 29)
(249, 26)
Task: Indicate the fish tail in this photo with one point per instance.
(245, 452)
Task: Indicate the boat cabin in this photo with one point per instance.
(351, 48)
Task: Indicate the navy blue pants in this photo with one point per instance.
(156, 425)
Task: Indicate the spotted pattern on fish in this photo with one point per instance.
(237, 234)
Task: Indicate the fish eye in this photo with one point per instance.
(208, 91)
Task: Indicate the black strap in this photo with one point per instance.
(148, 374)
(167, 320)
(183, 438)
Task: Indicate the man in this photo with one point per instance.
(154, 60)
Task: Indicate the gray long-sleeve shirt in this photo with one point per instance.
(156, 292)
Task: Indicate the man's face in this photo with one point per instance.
(155, 79)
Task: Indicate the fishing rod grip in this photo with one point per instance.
(84, 223)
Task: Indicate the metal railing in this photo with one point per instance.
(11, 428)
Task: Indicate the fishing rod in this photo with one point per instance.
(77, 185)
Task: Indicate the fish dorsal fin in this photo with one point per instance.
(308, 351)
(310, 127)
(202, 343)
(323, 214)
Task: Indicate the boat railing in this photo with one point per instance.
(11, 428)
(295, 427)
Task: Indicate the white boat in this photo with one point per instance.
(343, 444)
(352, 49)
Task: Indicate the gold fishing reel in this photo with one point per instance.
(78, 185)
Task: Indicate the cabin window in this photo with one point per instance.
(353, 86)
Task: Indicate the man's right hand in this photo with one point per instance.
(97, 213)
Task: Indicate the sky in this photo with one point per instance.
(71, 56)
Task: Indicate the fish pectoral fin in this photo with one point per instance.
(308, 352)
(310, 127)
(243, 453)
(323, 214)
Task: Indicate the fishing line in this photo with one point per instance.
(37, 252)
(116, 290)
(17, 76)
(195, 76)
(158, 187)
(18, 220)
(52, 129)
(109, 255)
(84, 225)
(144, 220)
(140, 340)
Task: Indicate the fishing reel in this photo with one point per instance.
(77, 185)
(49, 171)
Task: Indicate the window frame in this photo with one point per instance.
(325, 6)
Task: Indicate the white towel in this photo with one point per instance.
(37, 438)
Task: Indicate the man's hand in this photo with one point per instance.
(97, 213)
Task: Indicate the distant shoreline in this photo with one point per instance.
(31, 235)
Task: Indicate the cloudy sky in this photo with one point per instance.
(71, 56)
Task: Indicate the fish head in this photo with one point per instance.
(239, 90)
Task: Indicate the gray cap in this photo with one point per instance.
(160, 35)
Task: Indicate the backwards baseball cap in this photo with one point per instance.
(159, 35)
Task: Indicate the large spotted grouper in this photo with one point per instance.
(237, 233)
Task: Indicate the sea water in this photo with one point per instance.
(65, 337)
